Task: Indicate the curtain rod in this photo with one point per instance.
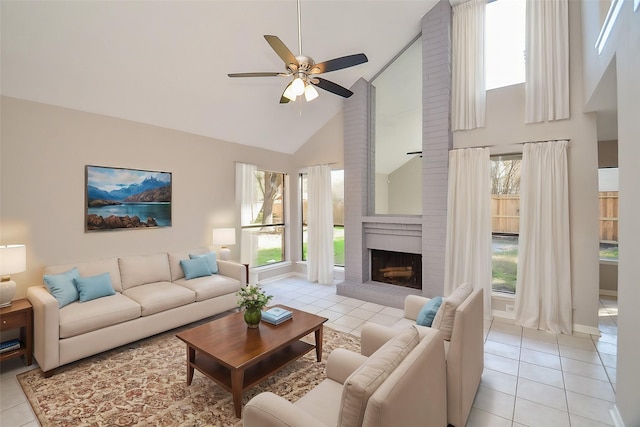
(517, 143)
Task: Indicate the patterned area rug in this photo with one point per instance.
(144, 384)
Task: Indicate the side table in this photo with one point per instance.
(19, 315)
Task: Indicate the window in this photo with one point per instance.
(337, 187)
(608, 198)
(505, 221)
(264, 228)
(504, 43)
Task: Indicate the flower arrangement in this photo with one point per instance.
(252, 297)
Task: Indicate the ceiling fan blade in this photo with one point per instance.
(332, 87)
(282, 50)
(266, 74)
(339, 63)
(284, 99)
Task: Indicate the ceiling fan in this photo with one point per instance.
(304, 70)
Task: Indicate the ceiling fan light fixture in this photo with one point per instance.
(288, 93)
(310, 93)
(297, 87)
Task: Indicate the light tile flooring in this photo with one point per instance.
(531, 378)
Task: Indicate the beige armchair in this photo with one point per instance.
(401, 383)
(464, 352)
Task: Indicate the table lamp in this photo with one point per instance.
(13, 259)
(223, 237)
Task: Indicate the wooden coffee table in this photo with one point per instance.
(237, 357)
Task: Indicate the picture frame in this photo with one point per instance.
(126, 199)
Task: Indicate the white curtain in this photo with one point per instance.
(245, 196)
(320, 226)
(468, 73)
(543, 297)
(468, 245)
(547, 61)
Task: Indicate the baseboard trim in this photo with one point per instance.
(615, 416)
(503, 314)
(591, 330)
(609, 293)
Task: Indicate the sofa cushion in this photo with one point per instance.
(174, 261)
(160, 296)
(210, 286)
(211, 259)
(61, 286)
(428, 311)
(323, 402)
(365, 380)
(79, 318)
(446, 313)
(194, 268)
(139, 270)
(91, 268)
(94, 287)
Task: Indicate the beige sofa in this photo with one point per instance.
(151, 296)
(464, 351)
(400, 384)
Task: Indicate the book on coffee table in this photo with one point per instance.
(276, 315)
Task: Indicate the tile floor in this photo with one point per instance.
(531, 378)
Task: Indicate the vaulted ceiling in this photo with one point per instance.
(165, 63)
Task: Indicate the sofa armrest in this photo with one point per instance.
(341, 363)
(233, 270)
(412, 306)
(269, 410)
(46, 327)
(373, 336)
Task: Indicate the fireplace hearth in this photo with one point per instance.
(396, 268)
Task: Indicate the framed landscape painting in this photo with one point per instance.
(120, 199)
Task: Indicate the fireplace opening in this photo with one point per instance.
(396, 268)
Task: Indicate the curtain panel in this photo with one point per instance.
(320, 226)
(547, 61)
(468, 242)
(543, 295)
(246, 196)
(468, 98)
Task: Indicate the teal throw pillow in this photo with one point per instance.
(211, 259)
(197, 267)
(61, 286)
(94, 287)
(428, 311)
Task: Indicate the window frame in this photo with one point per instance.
(282, 223)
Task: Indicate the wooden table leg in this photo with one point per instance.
(191, 357)
(237, 379)
(319, 343)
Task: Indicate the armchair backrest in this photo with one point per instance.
(465, 358)
(414, 393)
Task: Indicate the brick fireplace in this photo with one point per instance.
(424, 234)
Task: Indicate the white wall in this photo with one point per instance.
(405, 188)
(505, 126)
(42, 179)
(622, 50)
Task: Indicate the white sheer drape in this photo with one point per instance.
(547, 61)
(468, 246)
(320, 226)
(543, 297)
(468, 98)
(245, 195)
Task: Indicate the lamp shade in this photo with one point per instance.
(224, 236)
(13, 259)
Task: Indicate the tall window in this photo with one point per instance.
(608, 197)
(505, 221)
(337, 188)
(504, 43)
(264, 228)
